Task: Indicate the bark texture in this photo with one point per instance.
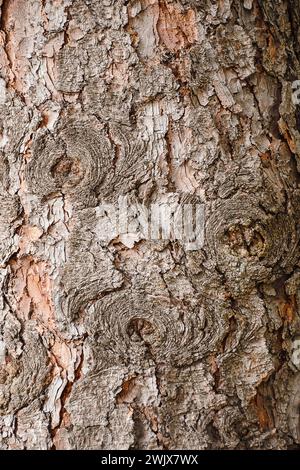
(133, 343)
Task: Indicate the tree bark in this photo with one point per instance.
(131, 342)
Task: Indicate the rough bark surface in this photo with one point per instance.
(138, 343)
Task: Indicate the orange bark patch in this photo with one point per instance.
(32, 290)
(265, 157)
(288, 137)
(272, 48)
(263, 416)
(287, 309)
(176, 30)
(14, 23)
(127, 393)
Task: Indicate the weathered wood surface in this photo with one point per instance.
(143, 344)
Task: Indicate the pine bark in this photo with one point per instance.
(132, 342)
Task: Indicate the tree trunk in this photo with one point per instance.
(115, 338)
